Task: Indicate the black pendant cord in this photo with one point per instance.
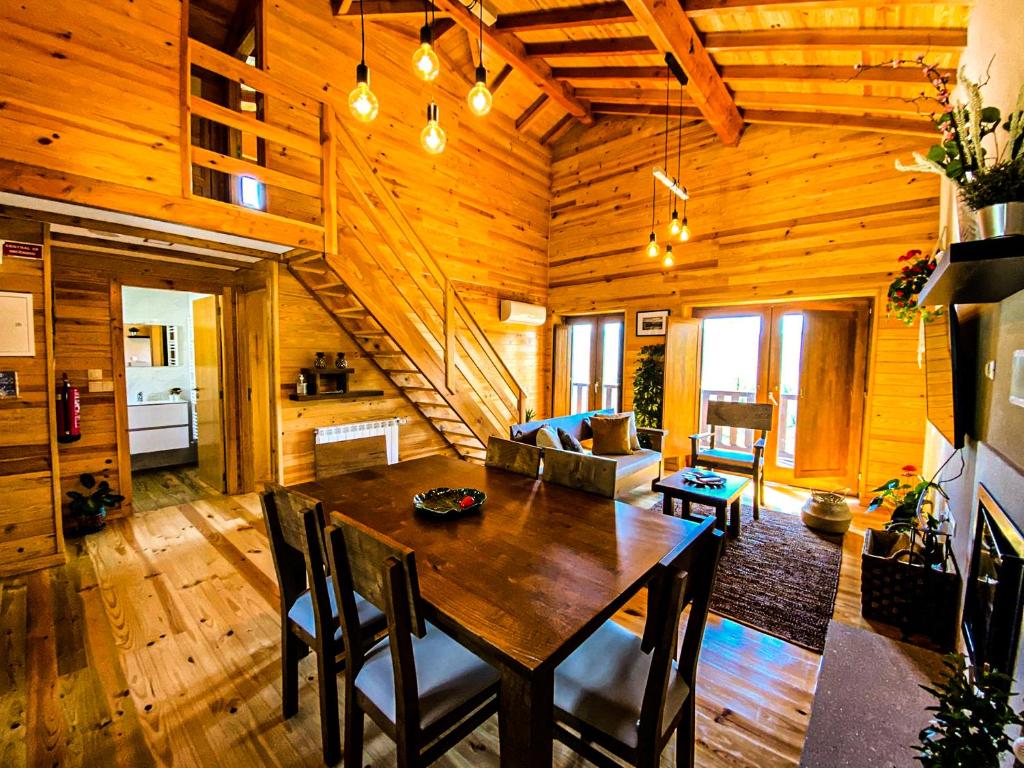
(679, 139)
(654, 201)
(480, 16)
(667, 74)
(362, 35)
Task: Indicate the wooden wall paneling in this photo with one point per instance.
(791, 213)
(29, 487)
(51, 386)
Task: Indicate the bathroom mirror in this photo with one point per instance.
(151, 346)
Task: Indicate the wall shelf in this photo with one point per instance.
(977, 272)
(353, 395)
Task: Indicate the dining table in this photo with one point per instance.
(523, 582)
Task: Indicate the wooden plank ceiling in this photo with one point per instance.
(749, 61)
(554, 63)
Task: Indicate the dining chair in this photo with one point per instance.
(754, 416)
(309, 614)
(516, 457)
(628, 694)
(422, 688)
(592, 474)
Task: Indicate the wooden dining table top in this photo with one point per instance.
(530, 576)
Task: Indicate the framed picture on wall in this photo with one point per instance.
(652, 323)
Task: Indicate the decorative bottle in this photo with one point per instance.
(321, 361)
(300, 385)
(340, 362)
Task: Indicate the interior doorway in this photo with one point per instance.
(809, 360)
(173, 342)
(595, 347)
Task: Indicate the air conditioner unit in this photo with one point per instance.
(521, 313)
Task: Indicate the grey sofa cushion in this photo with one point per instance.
(301, 611)
(631, 462)
(602, 683)
(447, 675)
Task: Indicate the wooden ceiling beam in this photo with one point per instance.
(133, 250)
(590, 15)
(903, 125)
(922, 39)
(500, 78)
(670, 29)
(384, 9)
(697, 8)
(911, 75)
(608, 46)
(531, 112)
(511, 49)
(557, 131)
(758, 72)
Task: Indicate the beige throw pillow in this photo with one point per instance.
(546, 438)
(611, 435)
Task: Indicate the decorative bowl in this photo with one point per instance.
(447, 503)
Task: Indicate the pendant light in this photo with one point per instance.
(424, 61)
(683, 231)
(432, 137)
(479, 97)
(668, 261)
(362, 101)
(652, 245)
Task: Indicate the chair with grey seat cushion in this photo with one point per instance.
(515, 457)
(754, 416)
(421, 687)
(309, 613)
(627, 695)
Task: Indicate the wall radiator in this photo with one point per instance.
(386, 427)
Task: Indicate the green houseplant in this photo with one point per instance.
(89, 509)
(648, 387)
(991, 183)
(903, 496)
(968, 729)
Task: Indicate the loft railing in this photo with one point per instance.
(304, 178)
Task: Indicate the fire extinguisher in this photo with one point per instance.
(69, 410)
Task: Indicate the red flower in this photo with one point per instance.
(910, 469)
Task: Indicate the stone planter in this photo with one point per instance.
(1000, 220)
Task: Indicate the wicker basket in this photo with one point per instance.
(917, 599)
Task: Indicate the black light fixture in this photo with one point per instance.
(479, 97)
(362, 101)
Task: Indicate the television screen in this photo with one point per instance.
(940, 367)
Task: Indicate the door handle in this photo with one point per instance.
(771, 396)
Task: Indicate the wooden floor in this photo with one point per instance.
(157, 645)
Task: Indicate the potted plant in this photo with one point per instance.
(969, 726)
(990, 183)
(89, 509)
(648, 388)
(903, 290)
(907, 577)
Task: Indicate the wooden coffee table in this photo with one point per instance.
(673, 487)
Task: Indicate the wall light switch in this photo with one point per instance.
(990, 370)
(95, 374)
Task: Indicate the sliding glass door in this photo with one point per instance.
(595, 363)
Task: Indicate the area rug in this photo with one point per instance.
(779, 576)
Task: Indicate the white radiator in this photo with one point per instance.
(386, 427)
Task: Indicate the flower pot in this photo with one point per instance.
(826, 516)
(1000, 220)
(85, 524)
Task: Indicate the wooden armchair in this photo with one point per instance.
(756, 416)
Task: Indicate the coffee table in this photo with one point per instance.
(673, 487)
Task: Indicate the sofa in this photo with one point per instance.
(632, 470)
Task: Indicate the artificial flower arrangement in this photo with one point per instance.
(983, 179)
(903, 291)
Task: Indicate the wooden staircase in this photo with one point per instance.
(391, 295)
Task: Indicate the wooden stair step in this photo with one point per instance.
(370, 334)
(393, 371)
(330, 286)
(450, 419)
(310, 268)
(351, 312)
(384, 353)
(335, 290)
(475, 446)
(418, 389)
(306, 258)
